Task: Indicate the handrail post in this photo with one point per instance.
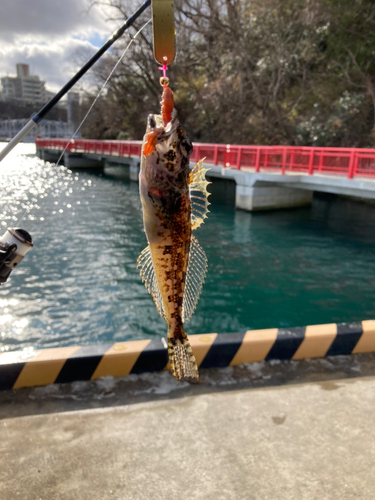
(291, 159)
(352, 164)
(239, 153)
(321, 158)
(284, 161)
(226, 156)
(216, 154)
(311, 162)
(257, 160)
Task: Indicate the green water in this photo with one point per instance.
(79, 284)
(293, 267)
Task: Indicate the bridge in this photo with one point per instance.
(265, 177)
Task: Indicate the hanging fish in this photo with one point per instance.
(173, 265)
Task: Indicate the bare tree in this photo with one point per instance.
(260, 71)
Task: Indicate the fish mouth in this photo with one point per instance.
(158, 135)
(155, 124)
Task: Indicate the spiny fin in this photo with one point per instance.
(198, 194)
(181, 358)
(195, 274)
(148, 277)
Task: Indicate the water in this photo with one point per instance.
(79, 284)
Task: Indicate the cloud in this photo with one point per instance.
(46, 34)
(47, 18)
(53, 63)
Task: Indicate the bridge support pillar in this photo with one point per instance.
(77, 160)
(48, 155)
(134, 172)
(270, 197)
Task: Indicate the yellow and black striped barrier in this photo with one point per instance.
(68, 364)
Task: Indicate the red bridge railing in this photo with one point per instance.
(281, 159)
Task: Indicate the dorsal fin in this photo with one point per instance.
(148, 277)
(198, 194)
(195, 274)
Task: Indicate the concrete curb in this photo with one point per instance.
(69, 364)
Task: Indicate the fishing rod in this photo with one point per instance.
(35, 119)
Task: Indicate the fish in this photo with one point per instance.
(174, 203)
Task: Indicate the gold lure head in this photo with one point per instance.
(164, 30)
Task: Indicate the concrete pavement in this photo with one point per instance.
(286, 430)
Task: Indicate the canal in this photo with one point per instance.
(79, 284)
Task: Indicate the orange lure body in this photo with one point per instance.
(167, 106)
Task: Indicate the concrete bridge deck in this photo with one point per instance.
(258, 190)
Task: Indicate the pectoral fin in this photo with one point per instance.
(148, 277)
(195, 274)
(198, 194)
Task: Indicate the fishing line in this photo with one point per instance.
(101, 90)
(96, 98)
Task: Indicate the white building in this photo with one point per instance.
(24, 87)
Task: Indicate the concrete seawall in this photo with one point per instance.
(69, 364)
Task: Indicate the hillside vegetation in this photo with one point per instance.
(298, 72)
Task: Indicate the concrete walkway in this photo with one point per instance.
(305, 440)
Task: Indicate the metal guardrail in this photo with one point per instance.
(47, 128)
(349, 162)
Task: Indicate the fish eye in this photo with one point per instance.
(186, 147)
(151, 121)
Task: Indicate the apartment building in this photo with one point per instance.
(24, 87)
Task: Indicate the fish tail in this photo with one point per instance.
(181, 357)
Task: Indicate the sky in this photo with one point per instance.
(47, 34)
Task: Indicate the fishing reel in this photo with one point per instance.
(14, 245)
